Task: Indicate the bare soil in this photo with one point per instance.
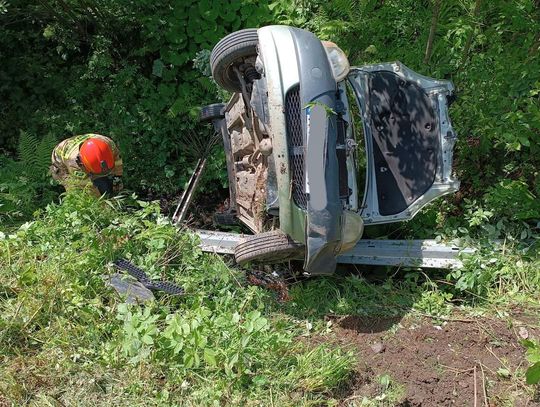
(457, 362)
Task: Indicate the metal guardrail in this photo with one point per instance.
(408, 253)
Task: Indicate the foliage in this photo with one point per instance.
(296, 13)
(25, 183)
(120, 68)
(498, 269)
(496, 115)
(513, 199)
(224, 342)
(532, 374)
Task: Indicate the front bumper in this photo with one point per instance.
(302, 96)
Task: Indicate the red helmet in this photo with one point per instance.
(96, 156)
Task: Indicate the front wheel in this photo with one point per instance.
(269, 247)
(237, 50)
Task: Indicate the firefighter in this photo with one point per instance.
(88, 161)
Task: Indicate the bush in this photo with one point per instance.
(123, 69)
(25, 183)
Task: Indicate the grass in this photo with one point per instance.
(66, 338)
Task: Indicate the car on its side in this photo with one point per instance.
(296, 129)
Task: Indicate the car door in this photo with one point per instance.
(409, 140)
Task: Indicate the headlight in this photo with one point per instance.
(338, 60)
(351, 230)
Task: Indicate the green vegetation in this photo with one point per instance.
(25, 183)
(224, 342)
(533, 356)
(119, 68)
(138, 72)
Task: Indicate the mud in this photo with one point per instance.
(438, 362)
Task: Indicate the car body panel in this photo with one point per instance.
(409, 140)
(314, 93)
(279, 80)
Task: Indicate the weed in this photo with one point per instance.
(391, 393)
(533, 356)
(224, 342)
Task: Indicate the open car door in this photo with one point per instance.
(409, 140)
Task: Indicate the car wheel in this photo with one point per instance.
(211, 112)
(269, 247)
(234, 50)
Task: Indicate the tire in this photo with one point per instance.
(232, 50)
(269, 247)
(212, 112)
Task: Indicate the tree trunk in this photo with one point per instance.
(432, 30)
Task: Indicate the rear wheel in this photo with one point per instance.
(236, 50)
(269, 247)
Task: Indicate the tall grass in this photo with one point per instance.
(65, 337)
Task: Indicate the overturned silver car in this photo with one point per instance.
(305, 135)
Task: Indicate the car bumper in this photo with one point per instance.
(302, 95)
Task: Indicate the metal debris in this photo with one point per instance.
(128, 287)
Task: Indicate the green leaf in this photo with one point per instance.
(385, 381)
(533, 374)
(259, 380)
(157, 68)
(210, 357)
(524, 140)
(189, 360)
(233, 360)
(260, 324)
(147, 340)
(122, 308)
(529, 344)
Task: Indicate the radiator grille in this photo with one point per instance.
(295, 141)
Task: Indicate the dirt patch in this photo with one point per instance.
(437, 363)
